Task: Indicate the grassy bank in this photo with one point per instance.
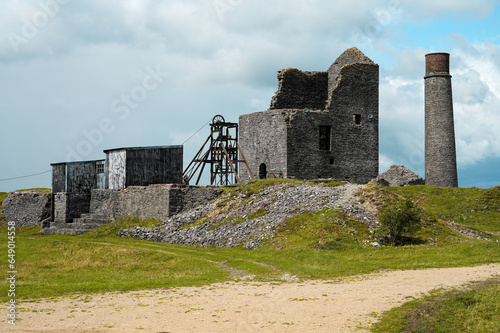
(473, 207)
(3, 195)
(475, 309)
(54, 265)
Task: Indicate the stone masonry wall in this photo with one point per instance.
(27, 208)
(305, 158)
(158, 202)
(348, 57)
(355, 142)
(183, 198)
(68, 206)
(263, 141)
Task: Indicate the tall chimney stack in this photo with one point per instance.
(440, 151)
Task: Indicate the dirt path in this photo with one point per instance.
(311, 306)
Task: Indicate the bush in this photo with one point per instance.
(398, 221)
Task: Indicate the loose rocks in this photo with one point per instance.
(228, 222)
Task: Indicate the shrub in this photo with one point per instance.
(398, 221)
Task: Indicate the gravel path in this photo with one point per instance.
(311, 306)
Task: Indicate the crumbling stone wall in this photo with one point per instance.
(27, 208)
(299, 90)
(349, 57)
(355, 122)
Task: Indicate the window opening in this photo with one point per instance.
(357, 119)
(324, 137)
(263, 171)
(100, 167)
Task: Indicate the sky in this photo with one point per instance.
(78, 77)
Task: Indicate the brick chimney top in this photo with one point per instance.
(437, 64)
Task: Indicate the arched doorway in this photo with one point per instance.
(262, 171)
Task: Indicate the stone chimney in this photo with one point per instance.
(440, 151)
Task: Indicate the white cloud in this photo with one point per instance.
(476, 85)
(425, 9)
(385, 163)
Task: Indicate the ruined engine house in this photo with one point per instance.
(321, 124)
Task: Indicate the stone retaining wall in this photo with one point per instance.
(158, 202)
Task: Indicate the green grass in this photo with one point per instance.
(112, 229)
(3, 195)
(473, 207)
(38, 189)
(327, 229)
(55, 265)
(473, 310)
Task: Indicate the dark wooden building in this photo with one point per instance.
(78, 177)
(142, 166)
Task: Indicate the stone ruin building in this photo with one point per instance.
(321, 124)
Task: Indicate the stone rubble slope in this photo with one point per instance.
(229, 221)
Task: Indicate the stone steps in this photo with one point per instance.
(93, 219)
(79, 225)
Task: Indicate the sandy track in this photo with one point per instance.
(311, 306)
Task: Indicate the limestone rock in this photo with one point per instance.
(398, 175)
(27, 208)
